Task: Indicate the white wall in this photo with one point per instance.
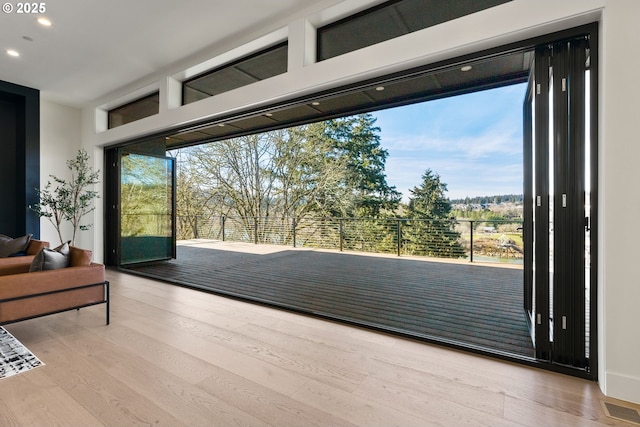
(619, 317)
(620, 200)
(60, 139)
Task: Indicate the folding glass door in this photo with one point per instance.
(141, 209)
(558, 179)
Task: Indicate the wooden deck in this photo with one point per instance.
(461, 303)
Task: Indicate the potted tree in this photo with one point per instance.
(69, 200)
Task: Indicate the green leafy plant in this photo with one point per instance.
(71, 200)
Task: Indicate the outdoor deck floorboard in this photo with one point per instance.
(464, 303)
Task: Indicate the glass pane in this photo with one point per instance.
(551, 200)
(533, 212)
(146, 208)
(136, 110)
(259, 66)
(392, 19)
(587, 211)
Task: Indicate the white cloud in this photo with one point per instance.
(499, 139)
(472, 165)
(474, 142)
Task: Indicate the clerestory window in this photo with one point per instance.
(390, 20)
(250, 69)
(135, 110)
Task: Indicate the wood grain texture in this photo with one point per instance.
(179, 357)
(454, 300)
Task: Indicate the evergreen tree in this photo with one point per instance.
(431, 230)
(428, 200)
(357, 139)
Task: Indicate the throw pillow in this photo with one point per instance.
(51, 259)
(10, 246)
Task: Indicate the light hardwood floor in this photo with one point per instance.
(179, 357)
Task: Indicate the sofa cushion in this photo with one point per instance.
(51, 259)
(35, 245)
(79, 257)
(10, 246)
(15, 264)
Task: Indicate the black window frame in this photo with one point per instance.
(591, 30)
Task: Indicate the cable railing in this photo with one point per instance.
(474, 240)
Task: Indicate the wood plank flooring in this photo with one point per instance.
(463, 303)
(174, 356)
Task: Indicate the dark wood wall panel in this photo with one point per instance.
(20, 159)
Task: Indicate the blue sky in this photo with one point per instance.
(473, 141)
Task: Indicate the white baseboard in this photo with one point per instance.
(623, 387)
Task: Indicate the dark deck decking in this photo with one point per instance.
(463, 303)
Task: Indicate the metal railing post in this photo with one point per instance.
(255, 230)
(341, 236)
(223, 219)
(471, 241)
(399, 230)
(294, 224)
(196, 234)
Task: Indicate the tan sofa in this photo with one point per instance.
(26, 295)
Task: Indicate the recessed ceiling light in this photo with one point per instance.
(466, 68)
(269, 114)
(44, 21)
(380, 88)
(221, 125)
(315, 103)
(12, 52)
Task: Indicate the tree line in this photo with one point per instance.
(334, 168)
(487, 200)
